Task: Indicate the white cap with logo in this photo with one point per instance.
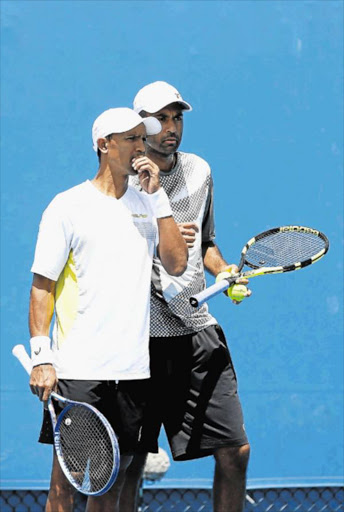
(157, 95)
(120, 120)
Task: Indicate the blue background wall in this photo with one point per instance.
(265, 81)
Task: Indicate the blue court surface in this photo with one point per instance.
(265, 79)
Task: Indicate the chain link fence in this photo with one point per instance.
(311, 499)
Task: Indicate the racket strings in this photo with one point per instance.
(284, 249)
(86, 448)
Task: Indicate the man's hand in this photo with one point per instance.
(238, 291)
(188, 230)
(43, 381)
(149, 174)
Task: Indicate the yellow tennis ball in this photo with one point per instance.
(237, 292)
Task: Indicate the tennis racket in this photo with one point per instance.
(274, 251)
(85, 443)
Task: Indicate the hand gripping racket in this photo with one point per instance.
(274, 251)
(85, 443)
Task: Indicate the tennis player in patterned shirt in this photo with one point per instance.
(193, 383)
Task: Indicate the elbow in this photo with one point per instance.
(178, 266)
(178, 270)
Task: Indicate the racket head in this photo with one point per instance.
(87, 449)
(286, 248)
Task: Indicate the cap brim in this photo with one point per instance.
(152, 125)
(185, 104)
(155, 108)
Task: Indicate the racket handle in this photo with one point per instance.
(201, 297)
(20, 353)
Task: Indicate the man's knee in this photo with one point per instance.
(232, 458)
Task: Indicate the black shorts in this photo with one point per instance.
(122, 403)
(193, 393)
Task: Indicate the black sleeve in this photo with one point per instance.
(208, 225)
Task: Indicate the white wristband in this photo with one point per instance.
(41, 352)
(160, 204)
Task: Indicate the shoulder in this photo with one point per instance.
(78, 191)
(63, 200)
(194, 169)
(191, 158)
(195, 161)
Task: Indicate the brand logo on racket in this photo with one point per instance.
(301, 229)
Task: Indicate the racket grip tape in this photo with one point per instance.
(200, 298)
(20, 353)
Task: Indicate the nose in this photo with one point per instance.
(171, 126)
(140, 147)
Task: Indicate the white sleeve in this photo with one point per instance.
(53, 242)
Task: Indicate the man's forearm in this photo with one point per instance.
(42, 300)
(173, 250)
(213, 260)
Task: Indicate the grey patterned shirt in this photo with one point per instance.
(190, 190)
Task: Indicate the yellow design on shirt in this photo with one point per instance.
(66, 300)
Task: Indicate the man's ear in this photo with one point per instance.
(102, 145)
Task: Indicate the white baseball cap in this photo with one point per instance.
(156, 96)
(120, 120)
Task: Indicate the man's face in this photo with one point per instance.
(123, 148)
(168, 140)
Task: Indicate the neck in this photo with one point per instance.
(164, 162)
(110, 183)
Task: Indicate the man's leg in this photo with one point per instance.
(61, 492)
(129, 499)
(109, 502)
(230, 478)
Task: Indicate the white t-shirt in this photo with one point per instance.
(99, 249)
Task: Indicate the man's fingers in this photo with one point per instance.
(189, 241)
(232, 269)
(189, 234)
(137, 162)
(191, 225)
(140, 159)
(143, 175)
(33, 390)
(37, 390)
(46, 394)
(246, 296)
(188, 226)
(145, 164)
(42, 381)
(241, 280)
(188, 231)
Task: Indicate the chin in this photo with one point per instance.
(169, 150)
